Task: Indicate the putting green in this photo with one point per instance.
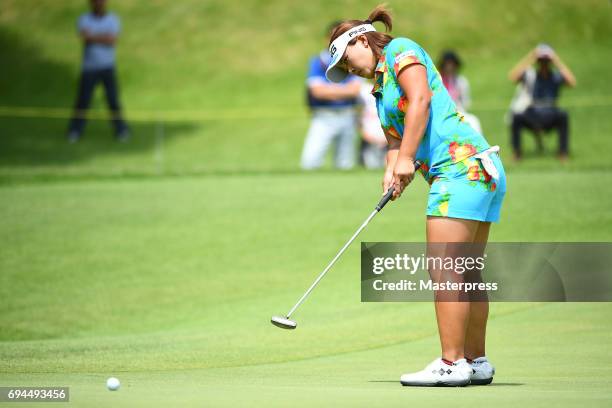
(539, 364)
(169, 284)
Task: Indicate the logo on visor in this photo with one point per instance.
(333, 50)
(360, 30)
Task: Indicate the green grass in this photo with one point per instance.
(169, 284)
(160, 261)
(183, 64)
(210, 55)
(555, 370)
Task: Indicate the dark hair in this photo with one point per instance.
(377, 40)
(449, 56)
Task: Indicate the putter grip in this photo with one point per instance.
(383, 201)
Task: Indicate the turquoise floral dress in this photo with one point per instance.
(452, 152)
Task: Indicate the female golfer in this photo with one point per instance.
(466, 176)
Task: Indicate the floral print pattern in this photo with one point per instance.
(448, 139)
(460, 186)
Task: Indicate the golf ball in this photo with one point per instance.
(113, 384)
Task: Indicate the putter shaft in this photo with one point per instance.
(299, 302)
(383, 201)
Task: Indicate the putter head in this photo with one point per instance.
(283, 322)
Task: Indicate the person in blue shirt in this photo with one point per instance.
(99, 31)
(333, 120)
(466, 177)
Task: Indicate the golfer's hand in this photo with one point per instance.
(387, 181)
(403, 173)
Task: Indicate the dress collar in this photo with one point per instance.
(379, 73)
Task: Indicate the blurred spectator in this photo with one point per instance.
(373, 143)
(457, 86)
(535, 104)
(99, 30)
(333, 108)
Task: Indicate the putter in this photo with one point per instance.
(285, 322)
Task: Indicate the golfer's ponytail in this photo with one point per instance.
(378, 40)
(381, 14)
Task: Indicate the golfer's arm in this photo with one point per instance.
(392, 150)
(413, 81)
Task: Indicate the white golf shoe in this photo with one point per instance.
(483, 371)
(439, 373)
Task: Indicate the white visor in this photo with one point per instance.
(338, 47)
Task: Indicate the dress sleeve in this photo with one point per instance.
(402, 53)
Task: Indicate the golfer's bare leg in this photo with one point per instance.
(479, 311)
(452, 317)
